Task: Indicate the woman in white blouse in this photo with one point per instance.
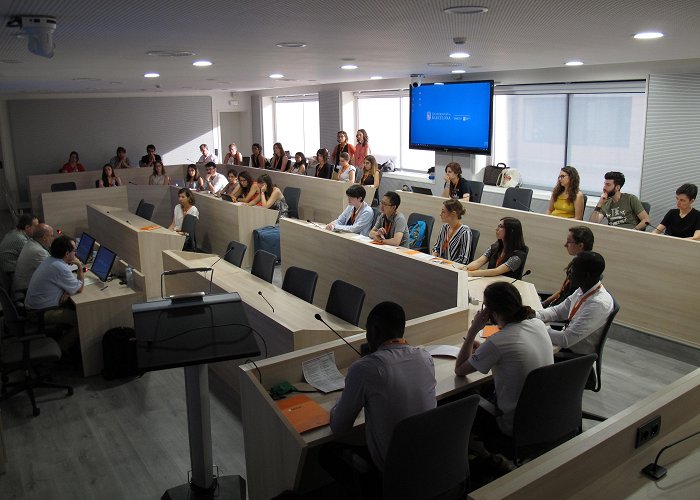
(184, 207)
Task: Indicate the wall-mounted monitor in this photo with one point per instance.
(452, 117)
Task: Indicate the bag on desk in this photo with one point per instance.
(119, 353)
(492, 173)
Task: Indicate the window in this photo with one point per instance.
(384, 115)
(297, 123)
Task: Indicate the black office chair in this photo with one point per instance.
(411, 469)
(548, 412)
(377, 213)
(189, 227)
(25, 353)
(246, 161)
(518, 199)
(63, 186)
(300, 282)
(647, 207)
(146, 211)
(264, 265)
(292, 196)
(477, 189)
(429, 222)
(139, 207)
(475, 241)
(345, 301)
(235, 252)
(521, 269)
(289, 164)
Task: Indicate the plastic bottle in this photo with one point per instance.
(129, 277)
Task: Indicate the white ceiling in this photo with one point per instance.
(101, 45)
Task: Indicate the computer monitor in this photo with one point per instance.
(85, 247)
(104, 260)
(172, 333)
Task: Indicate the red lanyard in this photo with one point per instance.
(446, 242)
(583, 299)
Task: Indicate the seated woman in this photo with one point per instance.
(346, 172)
(193, 180)
(108, 178)
(369, 175)
(506, 256)
(455, 239)
(324, 170)
(257, 159)
(184, 207)
(233, 157)
(230, 188)
(249, 192)
(299, 165)
(279, 158)
(158, 177)
(684, 221)
(73, 164)
(271, 196)
(567, 200)
(456, 186)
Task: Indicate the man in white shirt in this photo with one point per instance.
(30, 258)
(357, 216)
(586, 310)
(206, 156)
(214, 181)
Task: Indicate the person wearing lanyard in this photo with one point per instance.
(391, 227)
(357, 216)
(586, 310)
(455, 239)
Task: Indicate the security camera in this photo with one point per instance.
(38, 30)
(417, 80)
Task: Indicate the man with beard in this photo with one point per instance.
(620, 209)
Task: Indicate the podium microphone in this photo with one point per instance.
(518, 202)
(526, 273)
(649, 224)
(268, 302)
(314, 224)
(318, 317)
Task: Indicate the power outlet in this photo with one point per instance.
(648, 431)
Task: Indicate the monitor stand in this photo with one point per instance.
(203, 485)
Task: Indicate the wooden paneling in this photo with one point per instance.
(66, 210)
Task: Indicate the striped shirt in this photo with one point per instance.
(457, 249)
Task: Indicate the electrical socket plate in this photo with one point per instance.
(648, 431)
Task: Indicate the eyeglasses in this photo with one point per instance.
(385, 204)
(562, 176)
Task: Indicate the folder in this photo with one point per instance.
(304, 413)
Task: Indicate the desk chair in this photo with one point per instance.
(25, 353)
(475, 241)
(345, 301)
(246, 161)
(264, 265)
(139, 207)
(521, 269)
(548, 412)
(377, 213)
(429, 222)
(647, 207)
(189, 227)
(412, 468)
(63, 186)
(235, 252)
(292, 195)
(477, 189)
(518, 199)
(301, 283)
(146, 211)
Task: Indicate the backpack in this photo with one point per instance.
(416, 234)
(119, 353)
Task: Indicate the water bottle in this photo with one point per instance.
(129, 277)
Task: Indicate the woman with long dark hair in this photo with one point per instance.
(109, 179)
(185, 206)
(249, 192)
(271, 196)
(193, 180)
(324, 170)
(567, 199)
(299, 165)
(505, 256)
(279, 158)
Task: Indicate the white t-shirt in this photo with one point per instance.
(511, 355)
(219, 182)
(345, 176)
(179, 215)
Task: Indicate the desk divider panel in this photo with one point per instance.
(67, 210)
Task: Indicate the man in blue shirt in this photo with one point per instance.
(357, 216)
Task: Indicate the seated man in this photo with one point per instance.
(206, 155)
(621, 209)
(53, 283)
(580, 239)
(392, 383)
(120, 160)
(357, 216)
(586, 310)
(521, 346)
(214, 181)
(14, 241)
(391, 227)
(150, 158)
(32, 255)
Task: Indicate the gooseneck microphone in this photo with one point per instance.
(223, 256)
(314, 224)
(318, 317)
(526, 273)
(268, 302)
(518, 202)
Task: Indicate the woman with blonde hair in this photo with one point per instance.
(567, 199)
(369, 175)
(361, 149)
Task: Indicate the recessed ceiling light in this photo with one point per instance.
(459, 55)
(276, 76)
(202, 63)
(574, 63)
(348, 66)
(376, 77)
(291, 45)
(170, 53)
(458, 71)
(648, 35)
(151, 75)
(466, 10)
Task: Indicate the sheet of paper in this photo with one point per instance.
(361, 238)
(323, 374)
(443, 350)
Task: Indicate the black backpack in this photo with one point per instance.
(119, 353)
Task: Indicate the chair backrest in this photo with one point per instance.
(411, 469)
(585, 201)
(292, 196)
(647, 207)
(246, 161)
(600, 346)
(146, 211)
(521, 269)
(235, 252)
(377, 213)
(264, 265)
(429, 222)
(475, 241)
(140, 206)
(517, 198)
(189, 226)
(63, 186)
(345, 301)
(477, 191)
(13, 324)
(300, 282)
(549, 408)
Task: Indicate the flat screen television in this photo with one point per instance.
(452, 117)
(172, 333)
(102, 265)
(85, 247)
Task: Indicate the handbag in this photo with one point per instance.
(492, 173)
